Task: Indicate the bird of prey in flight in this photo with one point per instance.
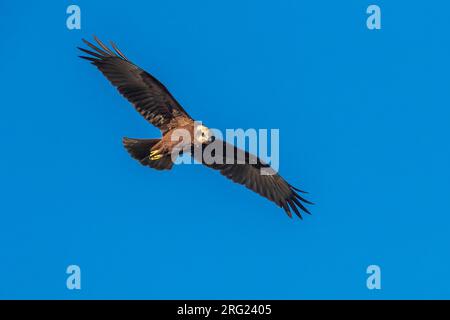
(155, 103)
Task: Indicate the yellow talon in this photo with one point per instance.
(156, 157)
(154, 152)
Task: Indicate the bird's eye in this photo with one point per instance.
(203, 134)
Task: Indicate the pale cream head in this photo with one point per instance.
(202, 134)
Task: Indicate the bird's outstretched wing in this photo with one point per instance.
(270, 185)
(149, 96)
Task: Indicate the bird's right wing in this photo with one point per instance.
(252, 173)
(149, 96)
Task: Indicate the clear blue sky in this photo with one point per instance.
(364, 127)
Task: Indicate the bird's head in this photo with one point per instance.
(202, 134)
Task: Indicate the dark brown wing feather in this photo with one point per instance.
(150, 98)
(271, 186)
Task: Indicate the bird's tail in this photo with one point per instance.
(140, 150)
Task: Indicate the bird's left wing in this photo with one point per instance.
(252, 173)
(150, 98)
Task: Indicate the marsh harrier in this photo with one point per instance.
(155, 103)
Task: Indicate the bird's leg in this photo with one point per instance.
(155, 155)
(152, 153)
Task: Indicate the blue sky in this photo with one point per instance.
(364, 127)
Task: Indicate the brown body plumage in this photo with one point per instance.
(155, 103)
